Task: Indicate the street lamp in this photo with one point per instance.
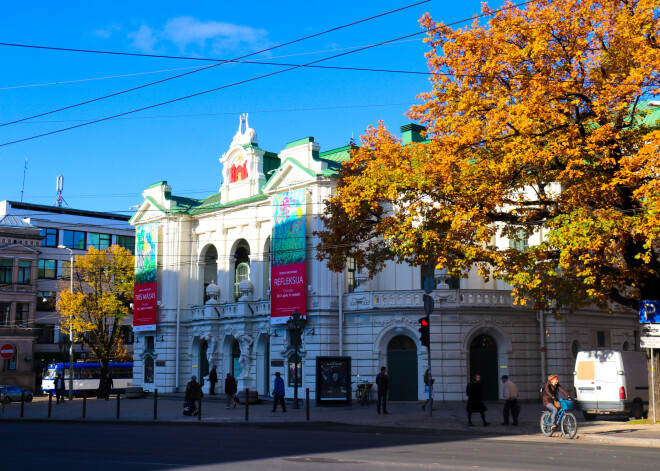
(295, 325)
(70, 327)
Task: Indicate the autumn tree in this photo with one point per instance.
(542, 126)
(101, 299)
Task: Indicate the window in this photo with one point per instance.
(149, 369)
(46, 333)
(127, 242)
(10, 364)
(126, 334)
(519, 241)
(99, 241)
(74, 239)
(46, 300)
(5, 310)
(22, 314)
(66, 270)
(5, 270)
(48, 269)
(351, 269)
(242, 273)
(49, 237)
(601, 338)
(575, 348)
(150, 342)
(24, 271)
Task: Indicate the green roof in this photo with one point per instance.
(213, 203)
(161, 183)
(299, 142)
(339, 155)
(650, 109)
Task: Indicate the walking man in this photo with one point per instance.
(230, 390)
(278, 392)
(213, 378)
(59, 388)
(383, 383)
(193, 393)
(510, 392)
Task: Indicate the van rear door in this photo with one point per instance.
(607, 385)
(585, 382)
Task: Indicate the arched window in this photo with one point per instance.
(242, 271)
(149, 369)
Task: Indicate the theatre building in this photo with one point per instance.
(217, 278)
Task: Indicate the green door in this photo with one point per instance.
(483, 361)
(402, 369)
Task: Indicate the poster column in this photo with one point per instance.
(288, 267)
(145, 290)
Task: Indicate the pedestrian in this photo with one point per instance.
(213, 378)
(59, 388)
(193, 393)
(383, 383)
(510, 393)
(427, 388)
(108, 385)
(230, 390)
(278, 392)
(475, 401)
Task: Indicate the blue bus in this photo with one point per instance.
(86, 377)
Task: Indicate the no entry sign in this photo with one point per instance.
(7, 351)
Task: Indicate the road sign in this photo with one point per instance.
(7, 351)
(429, 303)
(651, 330)
(649, 312)
(649, 342)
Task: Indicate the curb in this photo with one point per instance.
(640, 442)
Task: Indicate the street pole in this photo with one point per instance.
(295, 375)
(70, 326)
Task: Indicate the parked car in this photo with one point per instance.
(11, 393)
(611, 382)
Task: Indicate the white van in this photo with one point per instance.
(611, 382)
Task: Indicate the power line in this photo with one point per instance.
(219, 63)
(490, 13)
(283, 64)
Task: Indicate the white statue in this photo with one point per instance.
(212, 351)
(245, 343)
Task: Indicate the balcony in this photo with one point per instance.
(368, 300)
(240, 309)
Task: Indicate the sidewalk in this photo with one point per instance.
(446, 417)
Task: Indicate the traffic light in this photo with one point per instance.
(424, 331)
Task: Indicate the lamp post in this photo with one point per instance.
(70, 327)
(295, 325)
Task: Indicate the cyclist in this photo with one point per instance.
(550, 396)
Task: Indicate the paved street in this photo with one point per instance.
(448, 418)
(60, 446)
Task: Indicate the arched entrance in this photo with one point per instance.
(402, 368)
(203, 362)
(483, 361)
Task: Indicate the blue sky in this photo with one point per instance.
(107, 165)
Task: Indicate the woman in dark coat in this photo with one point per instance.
(475, 401)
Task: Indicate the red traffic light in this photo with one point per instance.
(424, 322)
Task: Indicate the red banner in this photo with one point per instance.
(145, 306)
(288, 292)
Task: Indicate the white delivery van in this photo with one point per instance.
(611, 382)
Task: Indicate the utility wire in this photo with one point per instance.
(218, 64)
(283, 64)
(490, 13)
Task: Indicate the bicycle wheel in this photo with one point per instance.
(546, 427)
(569, 425)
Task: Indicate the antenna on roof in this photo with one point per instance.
(60, 189)
(24, 172)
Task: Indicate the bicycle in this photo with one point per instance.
(363, 392)
(565, 420)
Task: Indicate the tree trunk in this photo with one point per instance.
(654, 383)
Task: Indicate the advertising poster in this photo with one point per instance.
(145, 295)
(288, 275)
(333, 379)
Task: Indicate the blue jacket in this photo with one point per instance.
(278, 386)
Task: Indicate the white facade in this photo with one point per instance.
(475, 328)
